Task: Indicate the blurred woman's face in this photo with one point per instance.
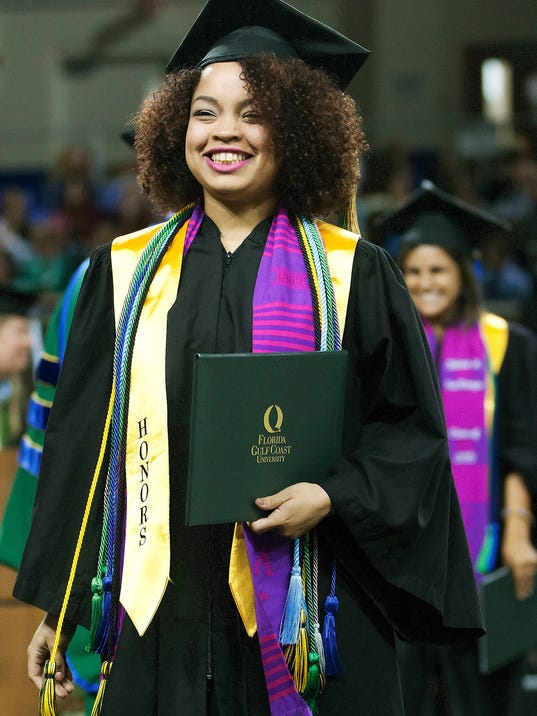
(15, 345)
(434, 281)
(228, 146)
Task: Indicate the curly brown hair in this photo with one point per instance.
(315, 128)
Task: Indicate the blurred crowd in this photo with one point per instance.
(46, 233)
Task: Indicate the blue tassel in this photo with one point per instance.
(331, 656)
(295, 602)
(295, 606)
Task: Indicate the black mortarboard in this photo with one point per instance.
(432, 216)
(15, 303)
(266, 26)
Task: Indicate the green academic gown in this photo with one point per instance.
(396, 533)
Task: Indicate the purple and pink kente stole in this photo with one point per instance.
(283, 321)
(462, 372)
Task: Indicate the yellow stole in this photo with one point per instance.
(495, 333)
(147, 540)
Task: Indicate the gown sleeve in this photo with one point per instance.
(517, 407)
(71, 446)
(397, 531)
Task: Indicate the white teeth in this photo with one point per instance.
(228, 157)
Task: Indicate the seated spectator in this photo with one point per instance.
(15, 361)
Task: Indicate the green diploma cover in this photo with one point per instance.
(260, 422)
(511, 623)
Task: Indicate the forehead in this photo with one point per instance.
(428, 255)
(221, 78)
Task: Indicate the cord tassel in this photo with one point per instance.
(47, 695)
(333, 664)
(98, 704)
(295, 603)
(320, 652)
(97, 595)
(313, 682)
(296, 656)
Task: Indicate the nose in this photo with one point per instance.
(424, 280)
(227, 127)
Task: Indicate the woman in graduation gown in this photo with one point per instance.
(487, 378)
(261, 142)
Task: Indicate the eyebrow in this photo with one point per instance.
(212, 100)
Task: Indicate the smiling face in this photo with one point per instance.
(434, 281)
(228, 147)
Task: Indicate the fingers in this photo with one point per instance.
(524, 581)
(63, 678)
(271, 502)
(265, 524)
(35, 673)
(294, 510)
(39, 651)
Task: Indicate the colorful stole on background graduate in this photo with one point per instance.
(468, 361)
(297, 300)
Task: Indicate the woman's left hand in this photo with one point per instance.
(293, 511)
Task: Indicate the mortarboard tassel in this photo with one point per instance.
(348, 218)
(295, 603)
(98, 704)
(331, 605)
(47, 694)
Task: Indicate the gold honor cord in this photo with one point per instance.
(47, 695)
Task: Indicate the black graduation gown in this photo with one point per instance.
(517, 408)
(397, 531)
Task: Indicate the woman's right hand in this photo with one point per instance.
(39, 651)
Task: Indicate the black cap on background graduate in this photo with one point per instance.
(434, 217)
(229, 30)
(15, 303)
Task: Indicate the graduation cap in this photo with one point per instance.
(266, 26)
(432, 216)
(15, 303)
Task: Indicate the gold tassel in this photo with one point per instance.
(349, 217)
(98, 704)
(296, 656)
(47, 695)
